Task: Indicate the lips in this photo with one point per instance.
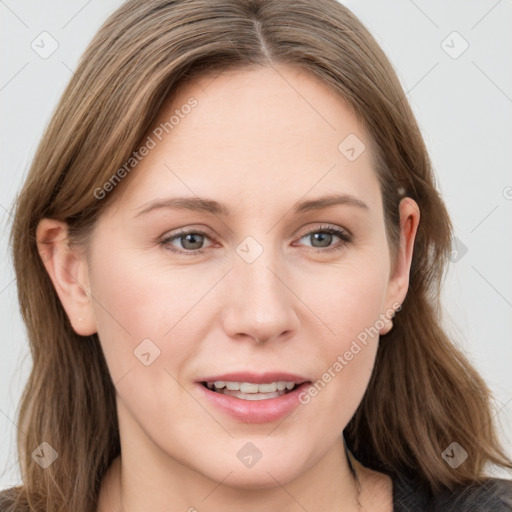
(253, 398)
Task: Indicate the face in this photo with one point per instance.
(261, 284)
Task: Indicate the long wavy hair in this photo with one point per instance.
(423, 393)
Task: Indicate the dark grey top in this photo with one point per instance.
(493, 496)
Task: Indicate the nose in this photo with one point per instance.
(260, 304)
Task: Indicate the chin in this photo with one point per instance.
(251, 479)
(267, 472)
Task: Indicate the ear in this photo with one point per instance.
(69, 273)
(399, 280)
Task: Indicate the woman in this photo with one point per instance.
(229, 252)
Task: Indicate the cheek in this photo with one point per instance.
(348, 298)
(135, 301)
(349, 303)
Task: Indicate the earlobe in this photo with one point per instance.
(68, 272)
(399, 281)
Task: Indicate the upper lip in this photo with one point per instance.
(256, 378)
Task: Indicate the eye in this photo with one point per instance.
(191, 242)
(323, 237)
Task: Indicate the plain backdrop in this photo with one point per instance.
(454, 61)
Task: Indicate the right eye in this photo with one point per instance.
(191, 242)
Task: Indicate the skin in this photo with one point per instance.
(258, 141)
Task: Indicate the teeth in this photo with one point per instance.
(263, 388)
(250, 388)
(253, 396)
(246, 387)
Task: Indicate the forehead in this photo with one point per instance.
(267, 135)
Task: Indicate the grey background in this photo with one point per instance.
(463, 106)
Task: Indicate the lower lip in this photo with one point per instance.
(255, 411)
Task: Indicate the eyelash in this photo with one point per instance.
(345, 237)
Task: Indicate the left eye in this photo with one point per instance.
(192, 241)
(324, 237)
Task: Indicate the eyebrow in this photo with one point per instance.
(193, 203)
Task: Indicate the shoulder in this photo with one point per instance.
(491, 495)
(10, 500)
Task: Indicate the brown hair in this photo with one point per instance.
(423, 393)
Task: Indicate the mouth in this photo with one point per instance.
(253, 398)
(251, 390)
